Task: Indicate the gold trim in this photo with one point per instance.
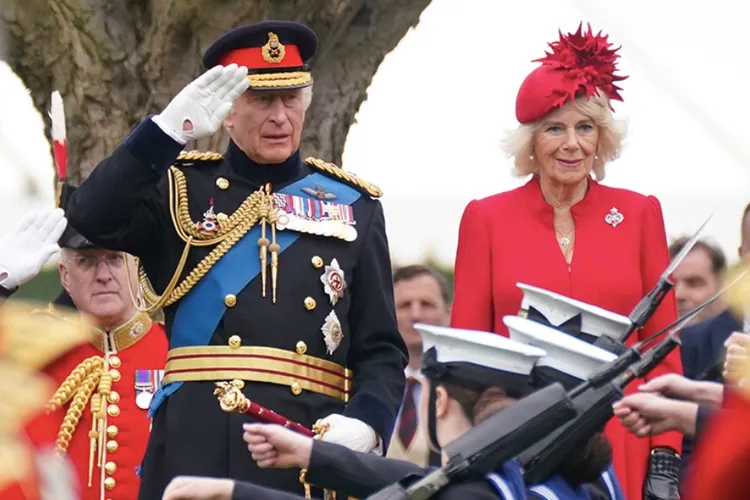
(258, 364)
(288, 79)
(125, 335)
(347, 177)
(195, 155)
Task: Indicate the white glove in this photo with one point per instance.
(350, 432)
(25, 249)
(200, 108)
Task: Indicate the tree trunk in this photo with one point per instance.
(117, 61)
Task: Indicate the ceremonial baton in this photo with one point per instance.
(648, 304)
(232, 400)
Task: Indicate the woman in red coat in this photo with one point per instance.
(565, 232)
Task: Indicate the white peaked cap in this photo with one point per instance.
(565, 353)
(490, 350)
(558, 309)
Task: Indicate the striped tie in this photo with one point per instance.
(407, 427)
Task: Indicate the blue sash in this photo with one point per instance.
(200, 311)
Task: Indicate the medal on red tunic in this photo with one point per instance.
(147, 382)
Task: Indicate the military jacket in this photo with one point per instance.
(310, 328)
(133, 356)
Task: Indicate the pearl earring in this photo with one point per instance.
(531, 157)
(596, 157)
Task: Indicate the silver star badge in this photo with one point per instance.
(614, 217)
(332, 332)
(333, 281)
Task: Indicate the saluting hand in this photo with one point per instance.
(25, 249)
(276, 446)
(200, 108)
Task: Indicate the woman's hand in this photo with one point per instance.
(276, 446)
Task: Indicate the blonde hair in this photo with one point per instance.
(519, 142)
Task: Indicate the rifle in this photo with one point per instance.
(593, 398)
(493, 441)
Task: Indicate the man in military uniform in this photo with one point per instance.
(123, 363)
(270, 270)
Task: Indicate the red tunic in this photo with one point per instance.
(140, 344)
(42, 469)
(510, 237)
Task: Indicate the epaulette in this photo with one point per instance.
(198, 156)
(347, 177)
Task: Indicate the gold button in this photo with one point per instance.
(112, 431)
(230, 300)
(235, 341)
(115, 374)
(296, 389)
(310, 303)
(301, 347)
(114, 397)
(115, 362)
(110, 468)
(222, 183)
(109, 483)
(112, 446)
(222, 217)
(317, 262)
(113, 410)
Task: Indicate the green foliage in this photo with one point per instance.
(44, 287)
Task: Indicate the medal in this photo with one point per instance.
(146, 384)
(332, 332)
(210, 223)
(333, 281)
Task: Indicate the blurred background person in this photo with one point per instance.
(422, 296)
(698, 277)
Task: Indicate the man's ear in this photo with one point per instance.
(63, 276)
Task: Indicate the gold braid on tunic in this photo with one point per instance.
(257, 208)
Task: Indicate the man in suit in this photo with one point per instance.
(422, 296)
(698, 277)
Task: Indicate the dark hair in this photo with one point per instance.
(413, 271)
(587, 463)
(715, 254)
(478, 404)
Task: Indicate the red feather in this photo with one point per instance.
(588, 61)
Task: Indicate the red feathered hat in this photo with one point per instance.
(578, 64)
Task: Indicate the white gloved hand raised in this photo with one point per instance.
(200, 108)
(350, 432)
(25, 249)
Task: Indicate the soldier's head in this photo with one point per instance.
(266, 121)
(469, 376)
(569, 361)
(96, 279)
(422, 296)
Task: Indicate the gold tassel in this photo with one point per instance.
(275, 248)
(319, 429)
(263, 241)
(96, 402)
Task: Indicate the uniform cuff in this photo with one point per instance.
(152, 147)
(371, 411)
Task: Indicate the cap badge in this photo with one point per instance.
(332, 332)
(614, 217)
(334, 282)
(273, 51)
